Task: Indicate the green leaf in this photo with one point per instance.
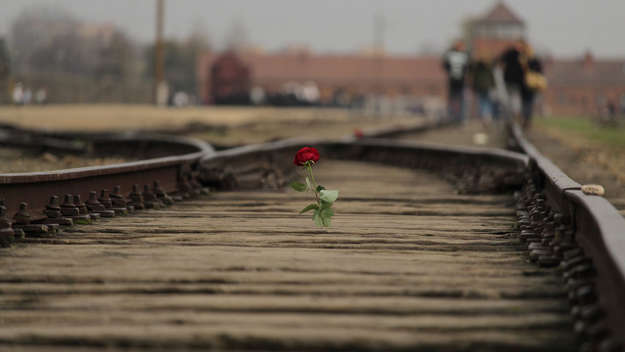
(309, 207)
(327, 213)
(321, 217)
(298, 186)
(326, 222)
(328, 195)
(317, 218)
(320, 188)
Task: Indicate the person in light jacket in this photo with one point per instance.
(455, 63)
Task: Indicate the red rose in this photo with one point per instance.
(306, 154)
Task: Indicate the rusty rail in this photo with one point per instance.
(170, 161)
(171, 164)
(499, 170)
(594, 272)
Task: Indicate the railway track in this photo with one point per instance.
(521, 259)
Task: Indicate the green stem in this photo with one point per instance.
(314, 183)
(312, 177)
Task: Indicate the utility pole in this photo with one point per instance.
(379, 29)
(159, 74)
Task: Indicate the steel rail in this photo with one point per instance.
(172, 163)
(594, 275)
(554, 181)
(232, 168)
(599, 229)
(354, 143)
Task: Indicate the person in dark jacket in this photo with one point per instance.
(455, 62)
(483, 81)
(513, 75)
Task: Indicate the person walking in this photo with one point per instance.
(533, 83)
(18, 94)
(455, 63)
(514, 76)
(483, 82)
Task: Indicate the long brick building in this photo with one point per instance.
(355, 74)
(576, 85)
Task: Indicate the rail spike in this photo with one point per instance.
(185, 189)
(196, 188)
(136, 199)
(23, 222)
(7, 234)
(150, 200)
(69, 208)
(161, 194)
(55, 215)
(82, 209)
(119, 204)
(107, 202)
(104, 199)
(95, 207)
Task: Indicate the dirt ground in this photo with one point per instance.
(222, 126)
(585, 162)
(98, 117)
(473, 133)
(16, 160)
(265, 131)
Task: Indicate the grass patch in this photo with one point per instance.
(584, 128)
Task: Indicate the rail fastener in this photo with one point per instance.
(22, 221)
(161, 194)
(57, 215)
(7, 233)
(136, 198)
(83, 211)
(94, 206)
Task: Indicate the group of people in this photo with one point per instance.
(505, 86)
(25, 96)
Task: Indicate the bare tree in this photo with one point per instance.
(180, 58)
(5, 61)
(116, 57)
(198, 37)
(5, 71)
(47, 39)
(36, 31)
(75, 60)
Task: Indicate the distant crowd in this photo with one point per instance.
(506, 86)
(25, 96)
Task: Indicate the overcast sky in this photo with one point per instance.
(565, 27)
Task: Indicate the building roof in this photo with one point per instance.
(501, 13)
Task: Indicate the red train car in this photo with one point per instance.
(230, 81)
